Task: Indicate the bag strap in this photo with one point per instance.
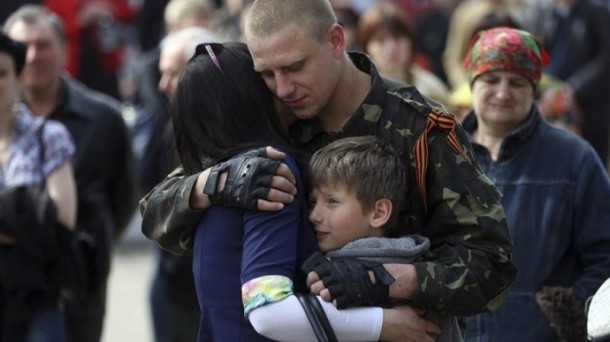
(317, 318)
(41, 150)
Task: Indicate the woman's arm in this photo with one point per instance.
(356, 324)
(62, 190)
(286, 321)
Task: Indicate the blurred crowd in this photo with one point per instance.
(111, 43)
(133, 52)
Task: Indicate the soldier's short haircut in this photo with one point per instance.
(267, 17)
(32, 14)
(367, 166)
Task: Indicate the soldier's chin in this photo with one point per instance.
(304, 113)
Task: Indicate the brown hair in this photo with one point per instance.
(385, 15)
(368, 166)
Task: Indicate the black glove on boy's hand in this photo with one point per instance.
(348, 280)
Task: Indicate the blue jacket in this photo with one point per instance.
(556, 195)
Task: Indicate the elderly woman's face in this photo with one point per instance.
(8, 81)
(502, 99)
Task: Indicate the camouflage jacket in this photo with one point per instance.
(450, 201)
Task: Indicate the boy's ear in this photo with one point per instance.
(381, 213)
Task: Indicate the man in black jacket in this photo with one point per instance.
(103, 162)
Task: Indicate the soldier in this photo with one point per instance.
(299, 49)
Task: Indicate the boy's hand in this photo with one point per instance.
(350, 282)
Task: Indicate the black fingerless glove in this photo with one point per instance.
(249, 178)
(348, 280)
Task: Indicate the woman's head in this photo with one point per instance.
(15, 50)
(387, 34)
(504, 66)
(221, 105)
(505, 49)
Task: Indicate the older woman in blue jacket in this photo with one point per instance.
(556, 194)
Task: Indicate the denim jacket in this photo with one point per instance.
(556, 195)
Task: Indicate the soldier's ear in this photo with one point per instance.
(336, 38)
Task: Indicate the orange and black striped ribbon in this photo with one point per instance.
(436, 118)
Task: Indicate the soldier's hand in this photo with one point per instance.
(403, 323)
(282, 189)
(254, 180)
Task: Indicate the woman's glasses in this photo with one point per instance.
(210, 49)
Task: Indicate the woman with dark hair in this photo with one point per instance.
(246, 263)
(216, 118)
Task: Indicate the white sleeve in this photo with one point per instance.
(286, 321)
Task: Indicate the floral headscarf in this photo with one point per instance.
(505, 49)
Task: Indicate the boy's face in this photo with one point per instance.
(338, 218)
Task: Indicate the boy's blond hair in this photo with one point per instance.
(367, 166)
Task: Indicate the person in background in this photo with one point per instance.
(460, 98)
(150, 122)
(387, 34)
(103, 162)
(556, 194)
(149, 24)
(465, 16)
(228, 16)
(576, 35)
(552, 98)
(31, 308)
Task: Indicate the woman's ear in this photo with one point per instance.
(381, 213)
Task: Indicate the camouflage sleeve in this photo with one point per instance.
(167, 217)
(468, 269)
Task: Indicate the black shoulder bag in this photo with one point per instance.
(317, 318)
